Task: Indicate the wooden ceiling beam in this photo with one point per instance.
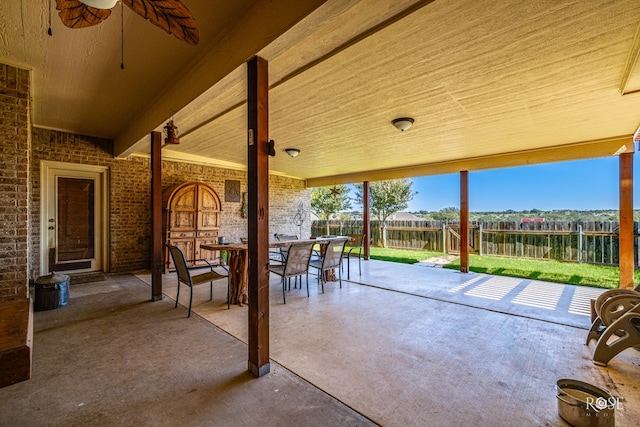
(262, 24)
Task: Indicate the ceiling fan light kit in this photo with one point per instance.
(170, 15)
(402, 123)
(100, 4)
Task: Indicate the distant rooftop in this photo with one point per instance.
(404, 216)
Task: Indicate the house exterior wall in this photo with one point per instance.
(130, 196)
(14, 182)
(285, 196)
(23, 148)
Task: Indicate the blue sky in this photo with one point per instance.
(584, 185)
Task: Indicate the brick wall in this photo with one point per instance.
(14, 181)
(21, 151)
(285, 195)
(130, 196)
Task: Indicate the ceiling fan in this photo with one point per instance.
(170, 15)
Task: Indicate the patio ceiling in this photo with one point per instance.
(489, 84)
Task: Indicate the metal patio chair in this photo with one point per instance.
(353, 248)
(331, 259)
(184, 275)
(296, 264)
(283, 252)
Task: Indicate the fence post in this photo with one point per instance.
(444, 239)
(580, 243)
(480, 239)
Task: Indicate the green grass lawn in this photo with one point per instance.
(550, 271)
(405, 256)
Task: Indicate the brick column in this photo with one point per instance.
(14, 175)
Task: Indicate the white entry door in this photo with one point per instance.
(74, 212)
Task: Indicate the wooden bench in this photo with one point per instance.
(16, 341)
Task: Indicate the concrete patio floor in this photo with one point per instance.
(551, 302)
(411, 345)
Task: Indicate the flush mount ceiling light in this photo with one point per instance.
(292, 152)
(402, 123)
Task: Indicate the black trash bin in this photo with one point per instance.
(51, 292)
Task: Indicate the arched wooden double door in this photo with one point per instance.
(191, 218)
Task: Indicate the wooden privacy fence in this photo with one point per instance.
(590, 242)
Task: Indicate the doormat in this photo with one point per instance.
(86, 277)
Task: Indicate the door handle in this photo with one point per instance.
(51, 227)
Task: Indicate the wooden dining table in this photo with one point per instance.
(238, 262)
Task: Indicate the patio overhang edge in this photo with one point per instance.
(577, 151)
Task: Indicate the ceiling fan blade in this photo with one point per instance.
(170, 15)
(75, 14)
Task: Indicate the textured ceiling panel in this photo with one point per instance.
(480, 78)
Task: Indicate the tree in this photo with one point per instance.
(327, 201)
(447, 214)
(386, 198)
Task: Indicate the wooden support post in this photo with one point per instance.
(258, 218)
(464, 221)
(626, 258)
(366, 226)
(156, 216)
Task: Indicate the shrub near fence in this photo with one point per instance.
(589, 242)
